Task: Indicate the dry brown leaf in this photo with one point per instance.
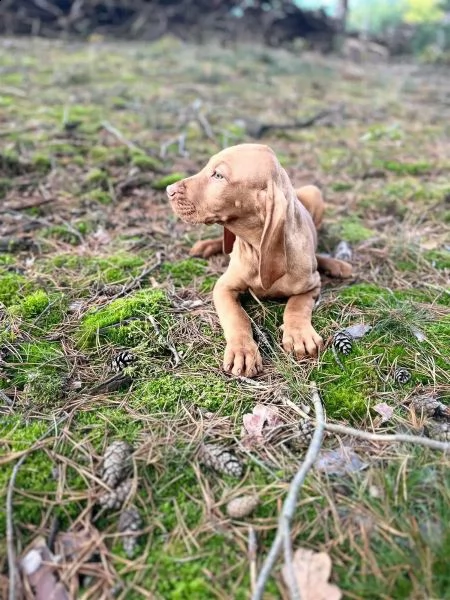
(41, 575)
(312, 571)
(258, 423)
(384, 410)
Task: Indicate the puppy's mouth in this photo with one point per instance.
(184, 209)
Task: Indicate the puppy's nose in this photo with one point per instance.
(171, 189)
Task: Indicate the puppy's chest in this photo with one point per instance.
(301, 275)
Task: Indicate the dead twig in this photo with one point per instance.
(5, 399)
(387, 437)
(287, 513)
(9, 507)
(119, 135)
(265, 128)
(26, 205)
(111, 384)
(252, 548)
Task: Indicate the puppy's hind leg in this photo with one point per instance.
(334, 267)
(207, 248)
(311, 198)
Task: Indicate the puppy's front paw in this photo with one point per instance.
(302, 341)
(206, 248)
(242, 357)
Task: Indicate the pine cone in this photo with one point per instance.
(116, 462)
(121, 361)
(402, 375)
(241, 507)
(429, 405)
(115, 498)
(130, 521)
(221, 460)
(343, 342)
(438, 431)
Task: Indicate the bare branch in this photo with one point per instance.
(290, 502)
(386, 437)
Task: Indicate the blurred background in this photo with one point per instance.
(400, 26)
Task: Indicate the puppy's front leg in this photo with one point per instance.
(299, 336)
(242, 356)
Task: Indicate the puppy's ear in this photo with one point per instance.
(272, 251)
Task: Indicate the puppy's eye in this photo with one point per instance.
(217, 175)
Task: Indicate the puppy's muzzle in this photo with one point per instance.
(185, 209)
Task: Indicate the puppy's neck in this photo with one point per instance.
(249, 231)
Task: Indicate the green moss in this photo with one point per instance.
(341, 186)
(147, 163)
(32, 305)
(12, 287)
(39, 303)
(440, 259)
(96, 178)
(161, 184)
(10, 163)
(41, 162)
(164, 394)
(38, 368)
(99, 153)
(5, 186)
(184, 271)
(135, 306)
(114, 269)
(351, 229)
(406, 168)
(63, 233)
(99, 196)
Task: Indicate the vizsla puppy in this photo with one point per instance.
(270, 229)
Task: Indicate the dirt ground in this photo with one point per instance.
(93, 264)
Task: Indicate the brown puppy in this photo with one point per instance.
(245, 189)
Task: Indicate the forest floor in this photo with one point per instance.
(93, 262)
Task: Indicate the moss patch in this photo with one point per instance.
(135, 307)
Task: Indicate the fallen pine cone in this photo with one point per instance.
(116, 462)
(241, 507)
(130, 522)
(121, 361)
(402, 375)
(343, 342)
(221, 460)
(115, 498)
(438, 431)
(430, 406)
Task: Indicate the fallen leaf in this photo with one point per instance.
(384, 410)
(36, 566)
(312, 571)
(339, 462)
(358, 330)
(259, 423)
(262, 417)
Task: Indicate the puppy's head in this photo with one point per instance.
(226, 188)
(246, 183)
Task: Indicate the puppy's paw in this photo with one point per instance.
(342, 269)
(242, 357)
(302, 341)
(206, 248)
(334, 267)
